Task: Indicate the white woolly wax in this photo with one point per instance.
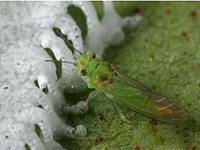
(26, 28)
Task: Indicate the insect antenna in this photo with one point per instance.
(61, 61)
(73, 47)
(64, 38)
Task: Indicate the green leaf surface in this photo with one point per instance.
(163, 54)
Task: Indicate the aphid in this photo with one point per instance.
(123, 90)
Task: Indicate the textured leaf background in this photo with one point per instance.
(163, 54)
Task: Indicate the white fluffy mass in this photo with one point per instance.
(26, 28)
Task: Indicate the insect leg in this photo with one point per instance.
(92, 94)
(121, 114)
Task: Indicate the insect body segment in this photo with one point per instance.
(95, 72)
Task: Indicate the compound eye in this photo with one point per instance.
(91, 54)
(82, 72)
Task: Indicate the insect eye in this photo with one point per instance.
(82, 72)
(91, 54)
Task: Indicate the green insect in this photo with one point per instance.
(123, 90)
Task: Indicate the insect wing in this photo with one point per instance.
(137, 97)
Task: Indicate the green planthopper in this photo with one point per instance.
(123, 90)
